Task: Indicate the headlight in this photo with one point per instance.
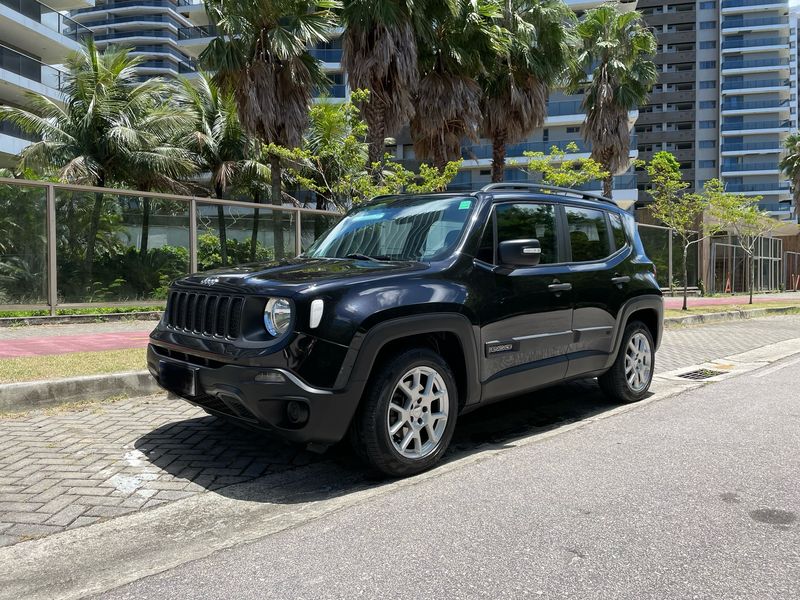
(277, 316)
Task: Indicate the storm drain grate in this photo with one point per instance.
(700, 374)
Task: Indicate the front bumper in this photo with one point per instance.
(233, 391)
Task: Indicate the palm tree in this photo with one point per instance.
(462, 39)
(379, 54)
(110, 123)
(790, 163)
(217, 138)
(517, 83)
(616, 48)
(262, 56)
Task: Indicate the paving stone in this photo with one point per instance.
(29, 530)
(19, 506)
(24, 517)
(67, 515)
(109, 511)
(7, 540)
(83, 521)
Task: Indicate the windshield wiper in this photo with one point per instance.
(359, 256)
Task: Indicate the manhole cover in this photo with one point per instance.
(701, 374)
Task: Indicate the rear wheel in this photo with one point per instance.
(629, 379)
(407, 417)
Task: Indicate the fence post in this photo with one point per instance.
(669, 254)
(52, 265)
(298, 234)
(193, 235)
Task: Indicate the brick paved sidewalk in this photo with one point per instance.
(41, 340)
(73, 468)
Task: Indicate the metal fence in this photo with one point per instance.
(732, 266)
(141, 241)
(667, 254)
(791, 271)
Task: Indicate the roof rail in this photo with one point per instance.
(511, 185)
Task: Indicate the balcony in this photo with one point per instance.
(134, 3)
(781, 42)
(39, 30)
(729, 65)
(10, 130)
(775, 188)
(755, 104)
(53, 20)
(747, 125)
(764, 22)
(755, 147)
(775, 207)
(24, 74)
(751, 3)
(754, 84)
(327, 55)
(135, 33)
(754, 167)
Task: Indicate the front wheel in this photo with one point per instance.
(407, 417)
(629, 379)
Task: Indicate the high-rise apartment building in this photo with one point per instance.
(727, 95)
(153, 29)
(35, 39)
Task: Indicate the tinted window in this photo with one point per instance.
(526, 222)
(588, 234)
(618, 230)
(486, 250)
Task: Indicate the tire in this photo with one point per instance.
(629, 378)
(385, 406)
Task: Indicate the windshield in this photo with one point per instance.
(418, 228)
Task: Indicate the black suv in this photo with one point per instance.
(413, 310)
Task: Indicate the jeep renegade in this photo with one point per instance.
(413, 310)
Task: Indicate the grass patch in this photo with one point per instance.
(75, 364)
(704, 310)
(63, 312)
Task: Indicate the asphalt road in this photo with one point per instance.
(693, 496)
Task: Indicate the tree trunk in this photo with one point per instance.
(498, 156)
(752, 277)
(94, 228)
(685, 277)
(277, 200)
(374, 114)
(254, 233)
(223, 231)
(608, 187)
(143, 245)
(439, 157)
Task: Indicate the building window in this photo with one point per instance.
(706, 164)
(573, 129)
(704, 5)
(708, 85)
(708, 44)
(707, 143)
(708, 124)
(708, 24)
(708, 64)
(708, 104)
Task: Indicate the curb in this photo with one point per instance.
(32, 395)
(731, 315)
(154, 315)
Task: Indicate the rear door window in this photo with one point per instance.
(588, 234)
(618, 231)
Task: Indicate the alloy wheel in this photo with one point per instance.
(638, 362)
(417, 414)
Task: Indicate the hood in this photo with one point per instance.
(294, 275)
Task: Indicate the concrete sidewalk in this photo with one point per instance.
(45, 340)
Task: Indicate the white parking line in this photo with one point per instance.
(772, 370)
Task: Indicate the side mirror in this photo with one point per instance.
(520, 253)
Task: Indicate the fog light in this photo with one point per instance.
(296, 412)
(270, 377)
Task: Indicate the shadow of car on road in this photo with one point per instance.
(217, 455)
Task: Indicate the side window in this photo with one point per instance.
(529, 221)
(588, 234)
(618, 231)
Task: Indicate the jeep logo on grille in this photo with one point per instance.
(210, 281)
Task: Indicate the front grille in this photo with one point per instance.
(205, 314)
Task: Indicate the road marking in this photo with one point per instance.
(775, 369)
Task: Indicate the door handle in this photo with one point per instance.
(556, 286)
(619, 280)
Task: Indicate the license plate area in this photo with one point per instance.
(178, 378)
